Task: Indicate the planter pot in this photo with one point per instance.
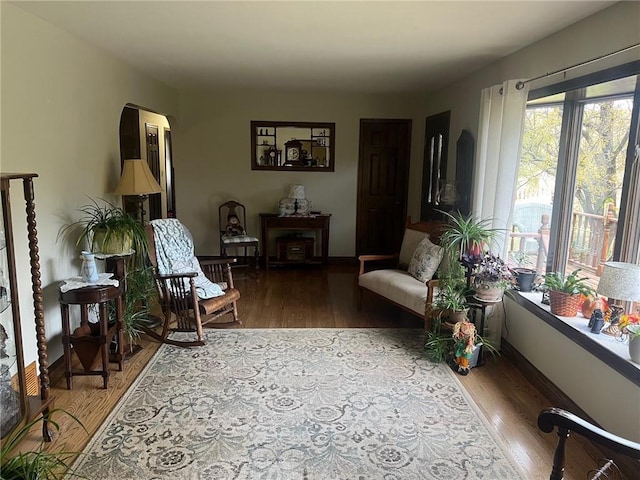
(564, 304)
(489, 292)
(525, 278)
(115, 245)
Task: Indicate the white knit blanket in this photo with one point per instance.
(175, 254)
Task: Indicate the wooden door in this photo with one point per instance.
(383, 175)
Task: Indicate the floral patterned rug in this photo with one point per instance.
(304, 404)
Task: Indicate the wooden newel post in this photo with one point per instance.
(543, 244)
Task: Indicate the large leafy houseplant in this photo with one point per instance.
(108, 229)
(464, 238)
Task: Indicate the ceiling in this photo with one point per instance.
(339, 46)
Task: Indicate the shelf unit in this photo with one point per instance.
(18, 406)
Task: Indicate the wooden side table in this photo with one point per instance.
(90, 341)
(319, 222)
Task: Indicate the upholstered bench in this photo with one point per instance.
(407, 283)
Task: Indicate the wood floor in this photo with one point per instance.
(327, 298)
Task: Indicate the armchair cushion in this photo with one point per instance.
(425, 260)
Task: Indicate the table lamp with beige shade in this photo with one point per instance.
(619, 281)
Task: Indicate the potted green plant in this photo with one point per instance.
(140, 293)
(464, 238)
(38, 464)
(491, 277)
(566, 292)
(108, 229)
(450, 302)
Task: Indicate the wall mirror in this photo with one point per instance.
(293, 146)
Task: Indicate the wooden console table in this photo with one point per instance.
(271, 221)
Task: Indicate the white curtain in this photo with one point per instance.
(502, 112)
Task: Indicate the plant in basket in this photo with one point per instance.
(566, 292)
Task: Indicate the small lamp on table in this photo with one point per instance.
(619, 281)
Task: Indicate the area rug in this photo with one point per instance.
(304, 404)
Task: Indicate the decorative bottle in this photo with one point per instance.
(89, 268)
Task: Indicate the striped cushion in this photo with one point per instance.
(238, 239)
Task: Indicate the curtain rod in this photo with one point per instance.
(520, 85)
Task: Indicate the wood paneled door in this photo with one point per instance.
(383, 175)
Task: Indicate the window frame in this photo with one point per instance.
(573, 107)
(624, 248)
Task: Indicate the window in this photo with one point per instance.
(576, 175)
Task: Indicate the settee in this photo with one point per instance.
(405, 280)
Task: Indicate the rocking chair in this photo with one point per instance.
(191, 293)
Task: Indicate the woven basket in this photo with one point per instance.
(564, 304)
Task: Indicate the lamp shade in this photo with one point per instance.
(137, 179)
(296, 191)
(621, 281)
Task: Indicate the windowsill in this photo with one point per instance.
(606, 348)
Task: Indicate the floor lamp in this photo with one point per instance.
(137, 181)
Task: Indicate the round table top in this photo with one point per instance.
(91, 294)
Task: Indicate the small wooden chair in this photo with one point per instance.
(232, 218)
(179, 299)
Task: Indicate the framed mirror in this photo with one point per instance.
(292, 146)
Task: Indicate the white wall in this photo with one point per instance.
(61, 105)
(607, 31)
(212, 148)
(604, 394)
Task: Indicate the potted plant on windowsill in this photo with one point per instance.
(524, 276)
(566, 292)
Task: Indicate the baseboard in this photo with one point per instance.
(559, 399)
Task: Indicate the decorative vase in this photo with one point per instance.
(634, 348)
(89, 270)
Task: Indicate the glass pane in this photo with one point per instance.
(10, 398)
(602, 150)
(534, 190)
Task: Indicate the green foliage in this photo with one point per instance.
(571, 284)
(141, 291)
(450, 297)
(603, 143)
(439, 345)
(464, 234)
(113, 221)
(35, 465)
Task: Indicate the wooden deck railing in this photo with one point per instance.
(591, 243)
(592, 238)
